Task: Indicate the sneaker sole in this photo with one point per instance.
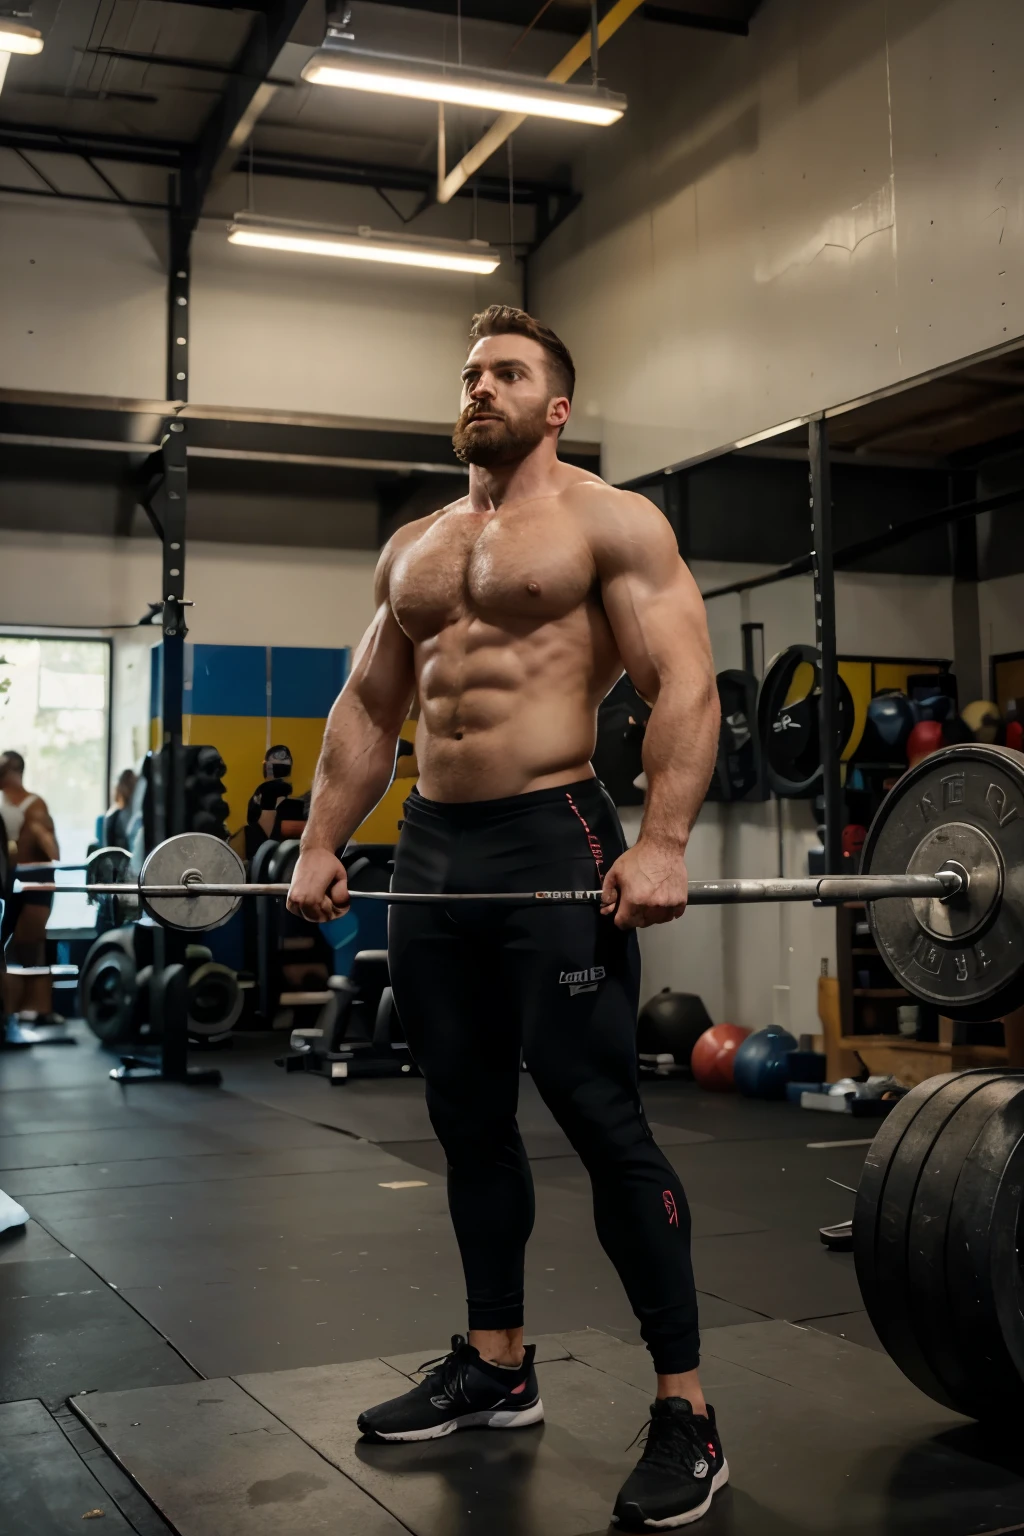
(502, 1418)
(673, 1522)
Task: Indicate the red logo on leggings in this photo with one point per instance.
(670, 1206)
(596, 851)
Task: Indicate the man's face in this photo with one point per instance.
(507, 401)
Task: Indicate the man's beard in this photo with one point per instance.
(494, 443)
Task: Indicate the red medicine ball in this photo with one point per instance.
(924, 739)
(714, 1056)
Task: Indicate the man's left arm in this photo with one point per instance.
(657, 617)
(39, 821)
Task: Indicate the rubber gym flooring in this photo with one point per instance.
(215, 1281)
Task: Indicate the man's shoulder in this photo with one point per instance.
(608, 514)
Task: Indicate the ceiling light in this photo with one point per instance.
(19, 37)
(493, 90)
(363, 244)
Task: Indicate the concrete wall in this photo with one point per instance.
(1001, 605)
(788, 221)
(85, 303)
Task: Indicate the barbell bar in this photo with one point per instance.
(943, 885)
(942, 878)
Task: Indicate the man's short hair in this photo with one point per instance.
(506, 320)
(11, 762)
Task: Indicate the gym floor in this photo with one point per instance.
(215, 1281)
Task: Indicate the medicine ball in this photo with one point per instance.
(761, 1069)
(711, 1060)
(982, 719)
(891, 719)
(669, 1026)
(926, 737)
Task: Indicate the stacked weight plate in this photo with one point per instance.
(936, 1239)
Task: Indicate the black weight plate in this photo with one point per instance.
(261, 861)
(106, 994)
(789, 733)
(282, 865)
(983, 1262)
(887, 1296)
(872, 1186)
(970, 1374)
(214, 1000)
(965, 804)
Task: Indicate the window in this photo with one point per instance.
(55, 711)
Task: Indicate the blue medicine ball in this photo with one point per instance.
(762, 1063)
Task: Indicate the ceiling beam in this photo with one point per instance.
(104, 146)
(268, 162)
(246, 93)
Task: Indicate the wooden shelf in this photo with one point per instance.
(879, 992)
(898, 1042)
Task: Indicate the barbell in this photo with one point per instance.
(943, 879)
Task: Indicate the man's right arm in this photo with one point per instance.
(357, 759)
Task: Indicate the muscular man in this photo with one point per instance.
(27, 824)
(510, 614)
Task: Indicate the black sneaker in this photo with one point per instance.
(461, 1391)
(680, 1471)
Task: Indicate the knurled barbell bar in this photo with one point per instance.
(943, 879)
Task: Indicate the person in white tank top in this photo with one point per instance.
(27, 824)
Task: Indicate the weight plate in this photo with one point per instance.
(964, 807)
(969, 1373)
(983, 1261)
(282, 866)
(787, 721)
(107, 866)
(882, 1221)
(211, 861)
(106, 994)
(214, 1000)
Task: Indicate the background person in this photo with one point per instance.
(28, 825)
(263, 805)
(115, 822)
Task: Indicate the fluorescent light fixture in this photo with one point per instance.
(363, 244)
(19, 37)
(494, 90)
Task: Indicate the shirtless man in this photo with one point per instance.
(27, 824)
(509, 615)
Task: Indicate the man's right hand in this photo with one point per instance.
(319, 888)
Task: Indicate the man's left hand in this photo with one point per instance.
(646, 885)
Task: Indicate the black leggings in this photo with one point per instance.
(477, 985)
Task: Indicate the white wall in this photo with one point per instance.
(1001, 604)
(251, 596)
(85, 299)
(85, 306)
(787, 221)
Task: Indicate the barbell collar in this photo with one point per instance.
(830, 888)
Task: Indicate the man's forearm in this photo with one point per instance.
(680, 747)
(355, 768)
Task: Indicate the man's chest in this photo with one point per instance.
(526, 569)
